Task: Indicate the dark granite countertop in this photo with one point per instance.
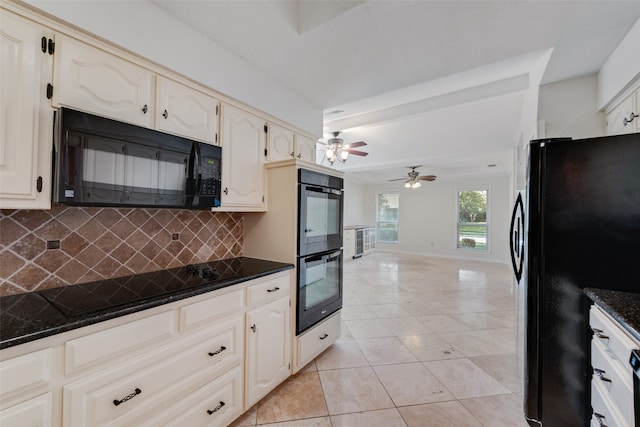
(622, 306)
(31, 316)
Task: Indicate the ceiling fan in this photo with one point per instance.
(338, 150)
(414, 179)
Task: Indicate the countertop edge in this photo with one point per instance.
(121, 311)
(624, 307)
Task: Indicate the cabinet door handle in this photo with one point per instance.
(165, 114)
(39, 184)
(253, 328)
(216, 409)
(226, 191)
(145, 109)
(136, 392)
(43, 45)
(274, 289)
(599, 333)
(292, 154)
(600, 417)
(299, 155)
(600, 374)
(323, 336)
(630, 119)
(218, 351)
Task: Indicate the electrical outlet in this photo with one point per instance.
(175, 236)
(53, 244)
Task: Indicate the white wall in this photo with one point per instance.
(354, 202)
(145, 29)
(569, 108)
(427, 223)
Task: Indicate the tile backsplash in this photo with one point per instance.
(101, 243)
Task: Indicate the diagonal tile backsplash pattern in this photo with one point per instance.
(102, 243)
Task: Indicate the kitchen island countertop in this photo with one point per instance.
(624, 307)
(34, 315)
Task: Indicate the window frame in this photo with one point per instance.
(458, 190)
(378, 222)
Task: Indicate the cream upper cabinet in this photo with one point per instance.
(305, 148)
(284, 144)
(242, 139)
(625, 116)
(92, 80)
(268, 353)
(279, 143)
(186, 112)
(26, 118)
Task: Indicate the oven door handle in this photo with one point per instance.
(326, 257)
(324, 190)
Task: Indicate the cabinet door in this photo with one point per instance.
(34, 412)
(268, 348)
(279, 143)
(305, 148)
(618, 119)
(26, 118)
(183, 111)
(243, 142)
(89, 79)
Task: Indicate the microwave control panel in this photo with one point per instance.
(210, 174)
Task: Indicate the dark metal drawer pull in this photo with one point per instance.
(220, 350)
(600, 417)
(216, 409)
(600, 374)
(599, 334)
(136, 392)
(323, 336)
(274, 289)
(630, 119)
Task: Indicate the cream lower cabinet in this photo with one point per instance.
(268, 338)
(242, 138)
(612, 381)
(185, 363)
(26, 116)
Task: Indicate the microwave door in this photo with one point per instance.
(172, 178)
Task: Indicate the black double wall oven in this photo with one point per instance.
(320, 210)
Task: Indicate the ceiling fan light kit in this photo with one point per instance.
(338, 150)
(414, 179)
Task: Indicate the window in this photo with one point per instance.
(387, 217)
(473, 232)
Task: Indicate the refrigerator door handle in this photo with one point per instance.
(516, 238)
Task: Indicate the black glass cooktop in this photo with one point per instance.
(26, 317)
(79, 300)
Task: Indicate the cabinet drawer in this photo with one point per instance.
(210, 309)
(317, 339)
(121, 394)
(268, 290)
(604, 410)
(33, 412)
(614, 381)
(115, 341)
(611, 337)
(215, 404)
(24, 373)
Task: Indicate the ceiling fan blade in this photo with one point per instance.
(356, 144)
(356, 152)
(320, 142)
(427, 178)
(399, 179)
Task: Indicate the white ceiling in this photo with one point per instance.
(438, 83)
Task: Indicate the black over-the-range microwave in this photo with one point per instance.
(103, 162)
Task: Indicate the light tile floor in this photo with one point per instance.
(425, 342)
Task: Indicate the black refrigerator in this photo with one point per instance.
(578, 227)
